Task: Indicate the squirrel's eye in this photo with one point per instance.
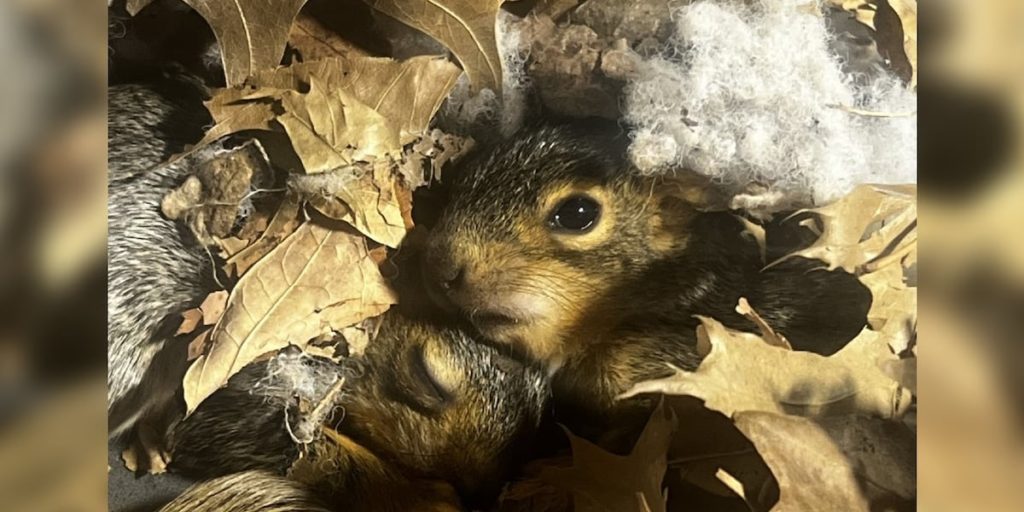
(577, 213)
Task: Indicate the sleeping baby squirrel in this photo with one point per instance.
(426, 409)
(552, 243)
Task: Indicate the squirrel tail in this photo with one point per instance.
(248, 491)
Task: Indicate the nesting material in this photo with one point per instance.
(752, 93)
(294, 374)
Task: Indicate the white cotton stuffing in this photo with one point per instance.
(292, 373)
(752, 93)
(467, 109)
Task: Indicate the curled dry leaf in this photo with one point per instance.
(368, 202)
(603, 481)
(893, 306)
(407, 93)
(331, 128)
(252, 35)
(316, 280)
(895, 26)
(372, 104)
(866, 227)
(284, 223)
(466, 27)
(213, 307)
(190, 320)
(740, 374)
(813, 474)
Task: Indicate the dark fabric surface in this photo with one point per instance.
(127, 492)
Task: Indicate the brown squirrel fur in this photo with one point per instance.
(607, 306)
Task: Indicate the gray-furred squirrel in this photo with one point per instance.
(427, 417)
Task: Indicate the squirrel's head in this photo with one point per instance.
(542, 233)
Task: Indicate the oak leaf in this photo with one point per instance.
(407, 92)
(315, 281)
(466, 27)
(331, 128)
(812, 473)
(865, 229)
(743, 374)
(252, 35)
(603, 481)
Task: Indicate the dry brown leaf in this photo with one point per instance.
(198, 345)
(190, 320)
(252, 35)
(315, 281)
(331, 129)
(358, 337)
(849, 239)
(407, 93)
(742, 375)
(370, 203)
(213, 307)
(357, 101)
(893, 306)
(882, 454)
(230, 246)
(466, 27)
(812, 472)
(603, 481)
(895, 25)
(284, 223)
(232, 112)
(314, 41)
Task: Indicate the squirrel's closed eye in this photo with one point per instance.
(576, 213)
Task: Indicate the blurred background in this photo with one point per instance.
(971, 99)
(53, 72)
(52, 255)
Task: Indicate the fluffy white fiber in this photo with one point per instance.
(468, 110)
(750, 92)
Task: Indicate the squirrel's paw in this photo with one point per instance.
(146, 447)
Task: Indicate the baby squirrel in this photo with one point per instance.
(552, 243)
(424, 404)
